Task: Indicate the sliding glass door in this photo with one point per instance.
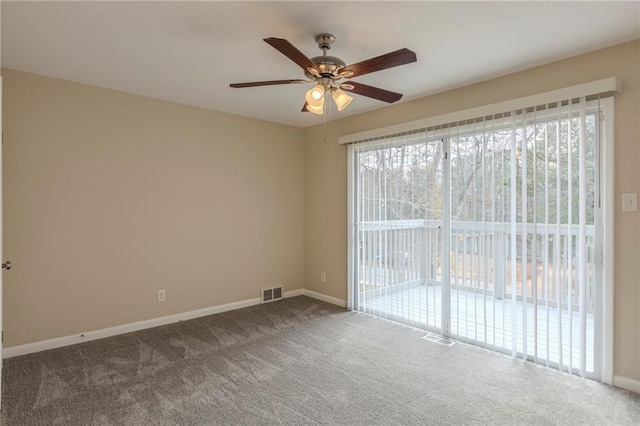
(399, 210)
(488, 232)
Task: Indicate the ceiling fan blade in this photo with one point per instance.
(267, 83)
(372, 92)
(304, 107)
(389, 60)
(290, 51)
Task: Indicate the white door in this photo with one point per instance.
(5, 265)
(1, 254)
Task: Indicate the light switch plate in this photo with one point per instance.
(630, 202)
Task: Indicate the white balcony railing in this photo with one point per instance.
(400, 277)
(394, 254)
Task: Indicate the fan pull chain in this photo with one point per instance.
(324, 119)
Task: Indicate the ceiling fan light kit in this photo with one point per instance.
(315, 98)
(327, 71)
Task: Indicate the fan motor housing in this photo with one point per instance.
(329, 65)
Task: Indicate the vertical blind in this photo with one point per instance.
(488, 231)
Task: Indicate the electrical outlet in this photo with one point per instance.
(323, 277)
(162, 295)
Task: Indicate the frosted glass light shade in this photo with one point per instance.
(315, 96)
(316, 109)
(341, 99)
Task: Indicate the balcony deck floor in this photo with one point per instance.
(420, 306)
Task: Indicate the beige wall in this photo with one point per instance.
(325, 174)
(110, 197)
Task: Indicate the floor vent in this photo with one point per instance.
(438, 339)
(271, 294)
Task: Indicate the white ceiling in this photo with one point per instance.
(190, 52)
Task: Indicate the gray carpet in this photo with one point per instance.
(297, 361)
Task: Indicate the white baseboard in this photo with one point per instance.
(294, 293)
(626, 383)
(325, 298)
(134, 326)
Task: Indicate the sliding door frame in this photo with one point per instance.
(603, 367)
(607, 192)
(352, 227)
(445, 321)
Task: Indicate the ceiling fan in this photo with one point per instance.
(328, 71)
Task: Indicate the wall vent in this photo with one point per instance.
(271, 294)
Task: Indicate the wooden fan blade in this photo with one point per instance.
(372, 92)
(390, 60)
(304, 107)
(290, 51)
(267, 83)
